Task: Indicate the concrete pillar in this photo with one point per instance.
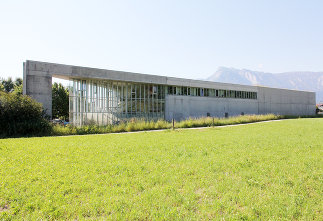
(38, 85)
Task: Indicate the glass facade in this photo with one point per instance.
(210, 92)
(110, 102)
(105, 102)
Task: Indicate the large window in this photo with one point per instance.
(110, 102)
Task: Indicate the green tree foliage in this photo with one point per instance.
(11, 86)
(1, 87)
(60, 101)
(20, 115)
(18, 86)
(18, 82)
(8, 84)
(17, 89)
(59, 92)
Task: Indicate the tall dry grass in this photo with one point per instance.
(142, 125)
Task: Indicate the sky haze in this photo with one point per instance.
(188, 39)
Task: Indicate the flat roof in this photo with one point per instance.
(68, 72)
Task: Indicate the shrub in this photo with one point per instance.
(20, 115)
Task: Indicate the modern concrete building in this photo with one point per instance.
(107, 97)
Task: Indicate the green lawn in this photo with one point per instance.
(266, 170)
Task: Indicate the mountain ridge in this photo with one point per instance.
(295, 80)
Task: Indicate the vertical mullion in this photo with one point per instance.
(145, 113)
(126, 99)
(140, 97)
(136, 99)
(131, 85)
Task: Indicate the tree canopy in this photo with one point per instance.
(59, 95)
(60, 101)
(20, 115)
(11, 86)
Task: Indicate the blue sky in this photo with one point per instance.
(182, 38)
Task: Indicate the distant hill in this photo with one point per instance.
(308, 81)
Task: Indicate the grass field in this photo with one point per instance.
(268, 170)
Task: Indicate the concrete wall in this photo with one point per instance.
(38, 85)
(286, 102)
(270, 100)
(38, 80)
(183, 107)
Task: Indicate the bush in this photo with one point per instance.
(20, 115)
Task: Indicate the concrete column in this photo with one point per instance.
(38, 85)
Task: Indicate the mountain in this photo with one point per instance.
(308, 81)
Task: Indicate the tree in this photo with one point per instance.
(18, 82)
(1, 87)
(21, 115)
(60, 96)
(17, 89)
(11, 86)
(8, 84)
